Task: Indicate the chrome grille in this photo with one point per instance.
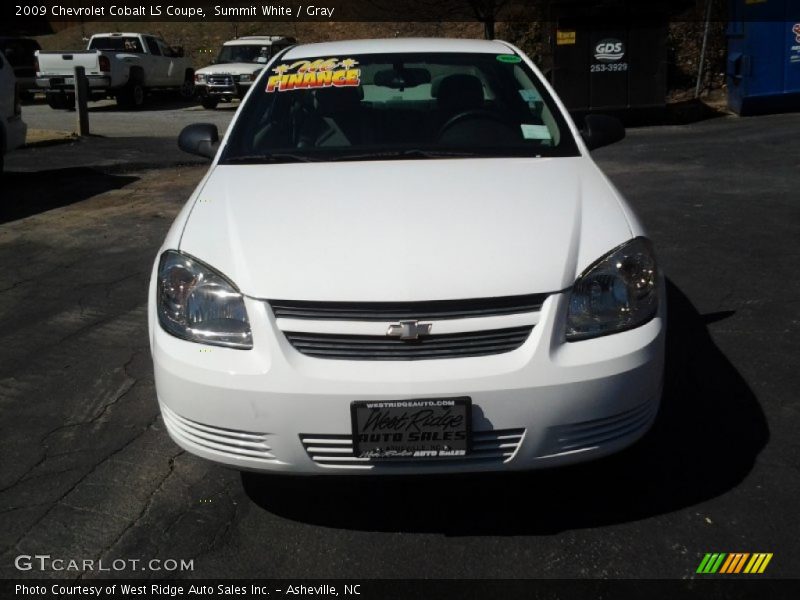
(228, 441)
(585, 435)
(368, 347)
(336, 450)
(220, 80)
(396, 311)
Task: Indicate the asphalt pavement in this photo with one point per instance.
(119, 139)
(162, 116)
(89, 472)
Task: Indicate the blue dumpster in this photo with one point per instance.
(763, 68)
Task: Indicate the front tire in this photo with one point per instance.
(209, 103)
(133, 96)
(187, 87)
(59, 101)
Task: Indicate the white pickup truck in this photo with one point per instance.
(123, 65)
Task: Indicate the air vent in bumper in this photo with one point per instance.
(336, 450)
(586, 435)
(238, 444)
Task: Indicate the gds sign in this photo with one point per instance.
(609, 50)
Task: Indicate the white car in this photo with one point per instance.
(236, 67)
(403, 260)
(12, 127)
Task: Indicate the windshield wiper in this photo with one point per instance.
(412, 153)
(259, 159)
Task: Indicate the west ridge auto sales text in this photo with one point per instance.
(159, 10)
(159, 590)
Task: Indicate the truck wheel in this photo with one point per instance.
(57, 101)
(133, 96)
(210, 103)
(187, 87)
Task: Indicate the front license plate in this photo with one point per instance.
(411, 429)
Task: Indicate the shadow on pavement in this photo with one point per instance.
(704, 442)
(30, 193)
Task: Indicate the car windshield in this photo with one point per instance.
(256, 53)
(410, 105)
(123, 44)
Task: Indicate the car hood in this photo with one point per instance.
(230, 69)
(405, 230)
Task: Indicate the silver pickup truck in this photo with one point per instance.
(121, 65)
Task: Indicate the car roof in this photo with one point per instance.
(124, 34)
(390, 45)
(255, 39)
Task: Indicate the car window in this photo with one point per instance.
(165, 50)
(152, 46)
(19, 53)
(244, 53)
(121, 44)
(332, 108)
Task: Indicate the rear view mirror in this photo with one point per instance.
(399, 79)
(601, 130)
(201, 139)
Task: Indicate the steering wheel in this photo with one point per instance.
(475, 113)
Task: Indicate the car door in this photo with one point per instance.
(171, 63)
(156, 65)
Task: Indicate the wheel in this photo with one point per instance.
(210, 103)
(57, 101)
(27, 97)
(133, 96)
(187, 89)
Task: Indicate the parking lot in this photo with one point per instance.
(88, 470)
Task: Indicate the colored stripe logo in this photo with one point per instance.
(734, 563)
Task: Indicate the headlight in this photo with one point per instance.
(618, 292)
(199, 78)
(245, 78)
(198, 304)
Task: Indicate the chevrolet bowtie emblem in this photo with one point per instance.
(409, 330)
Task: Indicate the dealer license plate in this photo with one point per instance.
(411, 429)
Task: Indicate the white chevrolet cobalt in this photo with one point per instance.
(403, 260)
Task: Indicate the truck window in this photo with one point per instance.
(152, 46)
(117, 44)
(166, 50)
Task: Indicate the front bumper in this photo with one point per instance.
(223, 91)
(66, 83)
(547, 403)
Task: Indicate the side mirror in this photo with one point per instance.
(179, 51)
(201, 139)
(601, 130)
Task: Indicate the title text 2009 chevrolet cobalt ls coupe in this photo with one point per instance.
(403, 260)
